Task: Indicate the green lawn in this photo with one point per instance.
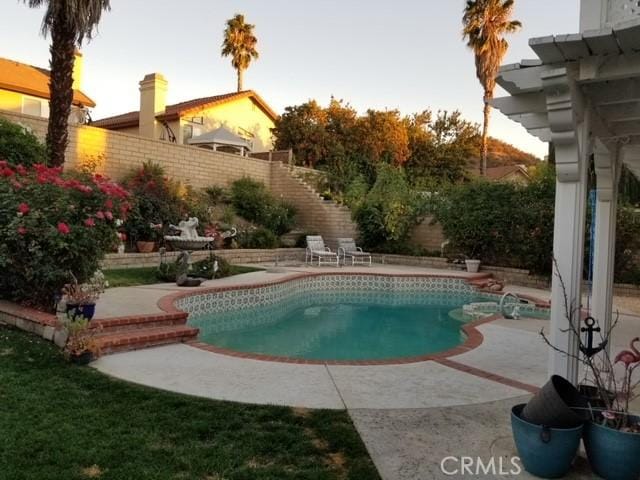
(60, 421)
(129, 277)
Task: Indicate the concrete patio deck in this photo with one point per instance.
(409, 415)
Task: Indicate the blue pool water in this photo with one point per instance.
(341, 326)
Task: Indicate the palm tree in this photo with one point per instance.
(69, 22)
(485, 24)
(240, 44)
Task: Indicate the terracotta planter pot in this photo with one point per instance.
(145, 247)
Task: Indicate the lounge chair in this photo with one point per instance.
(317, 249)
(347, 248)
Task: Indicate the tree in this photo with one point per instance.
(239, 43)
(485, 24)
(382, 137)
(69, 22)
(441, 147)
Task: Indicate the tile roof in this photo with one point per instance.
(177, 110)
(496, 173)
(30, 80)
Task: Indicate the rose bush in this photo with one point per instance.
(53, 225)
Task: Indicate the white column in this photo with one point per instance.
(607, 175)
(569, 136)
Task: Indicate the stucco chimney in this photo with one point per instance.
(78, 67)
(153, 100)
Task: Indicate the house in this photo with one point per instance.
(243, 115)
(25, 88)
(509, 173)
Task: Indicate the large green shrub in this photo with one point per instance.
(254, 203)
(18, 146)
(501, 223)
(389, 211)
(257, 238)
(51, 226)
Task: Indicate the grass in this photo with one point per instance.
(61, 421)
(129, 277)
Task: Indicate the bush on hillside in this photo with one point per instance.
(389, 211)
(254, 203)
(257, 238)
(18, 146)
(53, 225)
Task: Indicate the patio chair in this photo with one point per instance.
(347, 248)
(317, 249)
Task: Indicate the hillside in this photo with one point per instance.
(502, 153)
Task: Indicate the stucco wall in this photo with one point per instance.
(121, 152)
(243, 113)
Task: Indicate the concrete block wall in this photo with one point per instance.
(315, 215)
(117, 153)
(428, 235)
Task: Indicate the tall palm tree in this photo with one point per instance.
(240, 44)
(69, 22)
(485, 24)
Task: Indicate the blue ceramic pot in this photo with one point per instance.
(85, 311)
(614, 455)
(545, 452)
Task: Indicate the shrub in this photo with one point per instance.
(257, 238)
(389, 211)
(156, 200)
(18, 146)
(202, 269)
(501, 223)
(51, 226)
(254, 203)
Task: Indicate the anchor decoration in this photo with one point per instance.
(589, 350)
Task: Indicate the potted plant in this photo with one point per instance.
(612, 432)
(80, 298)
(82, 346)
(472, 263)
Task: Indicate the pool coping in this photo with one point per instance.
(474, 336)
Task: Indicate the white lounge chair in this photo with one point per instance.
(347, 248)
(317, 249)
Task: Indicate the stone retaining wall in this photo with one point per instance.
(136, 260)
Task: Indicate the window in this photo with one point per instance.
(35, 106)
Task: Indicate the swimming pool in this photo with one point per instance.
(335, 317)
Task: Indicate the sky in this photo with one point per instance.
(400, 54)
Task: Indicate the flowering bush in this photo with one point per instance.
(53, 226)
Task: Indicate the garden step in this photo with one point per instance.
(145, 338)
(137, 322)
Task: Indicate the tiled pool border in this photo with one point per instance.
(474, 338)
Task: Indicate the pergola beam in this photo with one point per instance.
(525, 103)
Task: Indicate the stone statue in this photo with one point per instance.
(187, 228)
(182, 271)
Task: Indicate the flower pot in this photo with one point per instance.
(557, 405)
(472, 265)
(145, 247)
(544, 452)
(86, 311)
(83, 358)
(614, 455)
(592, 395)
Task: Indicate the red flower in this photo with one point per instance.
(63, 228)
(7, 172)
(17, 185)
(108, 204)
(23, 208)
(21, 170)
(100, 215)
(109, 215)
(90, 222)
(22, 230)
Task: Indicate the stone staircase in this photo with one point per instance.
(143, 331)
(315, 214)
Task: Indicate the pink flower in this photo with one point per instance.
(100, 215)
(23, 208)
(22, 230)
(109, 215)
(21, 170)
(63, 228)
(17, 185)
(90, 222)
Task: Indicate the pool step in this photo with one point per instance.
(138, 322)
(139, 338)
